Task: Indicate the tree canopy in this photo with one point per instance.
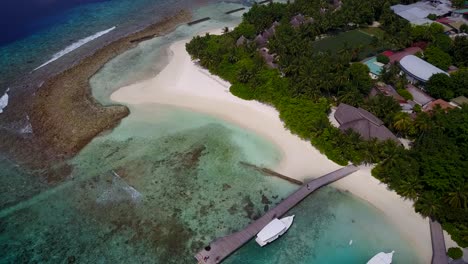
(438, 57)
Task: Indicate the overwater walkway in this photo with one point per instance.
(439, 255)
(222, 247)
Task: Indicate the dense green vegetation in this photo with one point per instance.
(460, 51)
(455, 253)
(458, 3)
(433, 172)
(312, 75)
(383, 59)
(445, 87)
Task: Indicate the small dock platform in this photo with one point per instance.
(222, 247)
(235, 10)
(439, 252)
(198, 21)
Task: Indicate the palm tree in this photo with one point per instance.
(458, 198)
(350, 96)
(427, 204)
(402, 122)
(225, 30)
(423, 122)
(410, 187)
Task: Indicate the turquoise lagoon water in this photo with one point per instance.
(167, 181)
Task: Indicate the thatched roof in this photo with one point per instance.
(300, 19)
(260, 41)
(241, 41)
(295, 22)
(267, 34)
(269, 58)
(362, 122)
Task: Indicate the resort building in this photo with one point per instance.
(417, 13)
(241, 41)
(419, 97)
(462, 13)
(459, 101)
(438, 103)
(298, 20)
(387, 90)
(418, 70)
(453, 23)
(268, 58)
(362, 122)
(260, 41)
(397, 56)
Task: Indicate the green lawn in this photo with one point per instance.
(374, 31)
(352, 39)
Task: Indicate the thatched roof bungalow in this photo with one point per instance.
(241, 41)
(269, 58)
(298, 20)
(362, 122)
(260, 41)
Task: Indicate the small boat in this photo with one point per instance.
(273, 230)
(382, 258)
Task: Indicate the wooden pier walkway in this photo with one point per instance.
(222, 247)
(439, 252)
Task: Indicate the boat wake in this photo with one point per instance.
(74, 46)
(4, 100)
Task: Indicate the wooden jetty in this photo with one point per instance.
(439, 252)
(222, 247)
(268, 172)
(235, 10)
(198, 21)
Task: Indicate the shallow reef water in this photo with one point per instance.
(165, 183)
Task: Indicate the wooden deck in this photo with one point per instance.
(222, 247)
(439, 252)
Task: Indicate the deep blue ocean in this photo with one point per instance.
(22, 18)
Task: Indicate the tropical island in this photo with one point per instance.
(303, 58)
(144, 131)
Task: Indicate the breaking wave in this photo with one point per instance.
(75, 45)
(4, 101)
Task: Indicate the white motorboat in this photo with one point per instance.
(274, 229)
(382, 258)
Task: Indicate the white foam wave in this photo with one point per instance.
(75, 45)
(4, 100)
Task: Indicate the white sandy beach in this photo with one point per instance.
(184, 84)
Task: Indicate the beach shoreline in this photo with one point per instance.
(182, 83)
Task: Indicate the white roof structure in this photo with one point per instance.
(417, 13)
(382, 258)
(418, 68)
(272, 229)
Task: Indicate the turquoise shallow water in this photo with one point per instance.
(167, 181)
